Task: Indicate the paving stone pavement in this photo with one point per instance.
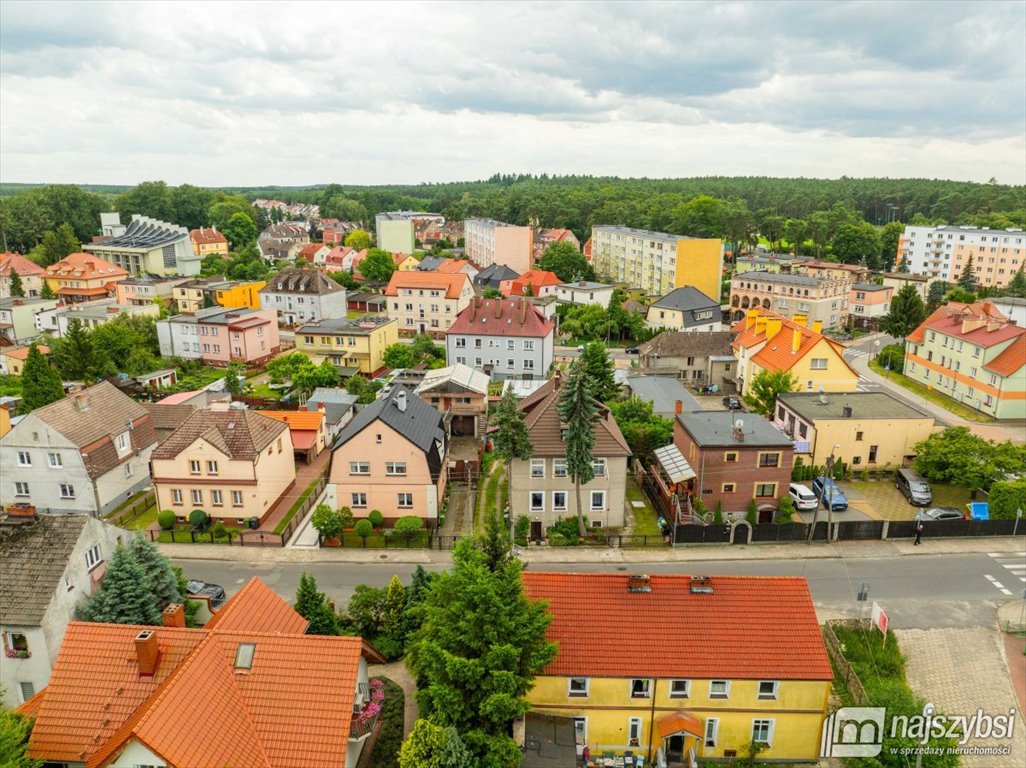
(960, 671)
(400, 675)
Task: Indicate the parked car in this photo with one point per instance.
(202, 589)
(940, 513)
(633, 351)
(732, 403)
(803, 498)
(913, 487)
(827, 490)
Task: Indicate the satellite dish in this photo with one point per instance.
(739, 424)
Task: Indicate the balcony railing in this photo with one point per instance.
(361, 725)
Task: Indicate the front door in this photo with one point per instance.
(536, 530)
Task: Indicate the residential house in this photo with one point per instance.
(148, 289)
(718, 682)
(699, 358)
(897, 280)
(508, 338)
(338, 407)
(460, 393)
(306, 428)
(31, 275)
(167, 417)
(865, 430)
(943, 251)
(303, 296)
(217, 336)
(430, 263)
(86, 453)
(821, 299)
(154, 380)
(223, 684)
(333, 232)
(684, 309)
(93, 314)
(149, 246)
(765, 341)
(738, 457)
(314, 253)
(831, 270)
(584, 292)
(405, 262)
(534, 282)
(666, 394)
(342, 258)
(972, 354)
(82, 277)
(392, 457)
(12, 359)
(427, 302)
(494, 276)
(490, 242)
(283, 240)
(51, 563)
(363, 301)
(767, 262)
(18, 317)
(231, 463)
(210, 292)
(455, 266)
(543, 238)
(207, 241)
(657, 262)
(541, 488)
(358, 343)
(394, 230)
(868, 302)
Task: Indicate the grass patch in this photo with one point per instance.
(646, 521)
(378, 540)
(489, 489)
(144, 521)
(386, 748)
(264, 390)
(197, 379)
(10, 386)
(295, 507)
(935, 397)
(181, 536)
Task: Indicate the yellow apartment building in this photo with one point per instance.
(350, 343)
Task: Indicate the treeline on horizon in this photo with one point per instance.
(728, 207)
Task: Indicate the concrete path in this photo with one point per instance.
(961, 671)
(305, 474)
(400, 675)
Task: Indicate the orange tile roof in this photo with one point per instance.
(737, 632)
(535, 278)
(949, 320)
(206, 235)
(21, 353)
(1011, 359)
(291, 709)
(776, 355)
(84, 266)
(18, 263)
(679, 722)
(453, 285)
(452, 266)
(297, 420)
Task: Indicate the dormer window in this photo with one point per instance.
(244, 656)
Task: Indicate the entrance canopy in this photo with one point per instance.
(673, 463)
(679, 722)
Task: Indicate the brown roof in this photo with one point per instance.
(205, 235)
(699, 344)
(238, 434)
(168, 417)
(18, 263)
(546, 429)
(91, 418)
(305, 281)
(501, 317)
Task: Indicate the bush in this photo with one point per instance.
(753, 512)
(198, 519)
(390, 648)
(376, 518)
(364, 528)
(220, 531)
(892, 356)
(566, 528)
(347, 517)
(327, 522)
(718, 515)
(798, 471)
(558, 540)
(786, 510)
(167, 519)
(521, 527)
(1006, 497)
(408, 527)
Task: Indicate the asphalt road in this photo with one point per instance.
(917, 592)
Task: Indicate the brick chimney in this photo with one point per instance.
(82, 403)
(174, 615)
(147, 653)
(678, 407)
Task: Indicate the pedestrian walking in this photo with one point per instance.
(586, 756)
(919, 531)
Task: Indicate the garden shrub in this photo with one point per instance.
(198, 519)
(376, 518)
(220, 531)
(167, 519)
(364, 528)
(327, 522)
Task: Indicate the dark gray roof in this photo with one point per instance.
(33, 557)
(492, 275)
(686, 299)
(144, 232)
(716, 429)
(430, 263)
(298, 280)
(357, 326)
(663, 392)
(864, 405)
(779, 277)
(872, 287)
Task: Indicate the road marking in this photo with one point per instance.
(997, 584)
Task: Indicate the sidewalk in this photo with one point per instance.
(305, 474)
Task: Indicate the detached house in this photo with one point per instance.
(217, 336)
(87, 453)
(684, 309)
(392, 457)
(303, 296)
(508, 338)
(533, 282)
(249, 689)
(704, 359)
(207, 241)
(427, 302)
(358, 343)
(460, 393)
(83, 276)
(31, 275)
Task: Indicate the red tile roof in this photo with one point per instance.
(979, 323)
(19, 264)
(206, 236)
(501, 317)
(1010, 359)
(679, 722)
(748, 628)
(535, 278)
(452, 266)
(84, 266)
(21, 353)
(307, 252)
(453, 285)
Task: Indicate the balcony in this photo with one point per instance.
(363, 722)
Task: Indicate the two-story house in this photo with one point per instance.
(493, 276)
(18, 318)
(50, 564)
(87, 453)
(541, 488)
(218, 336)
(392, 457)
(303, 296)
(122, 696)
(148, 289)
(867, 303)
(714, 678)
(207, 241)
(460, 393)
(533, 282)
(83, 276)
(232, 464)
(427, 302)
(30, 274)
(350, 343)
(508, 338)
(737, 457)
(699, 358)
(13, 359)
(585, 292)
(684, 309)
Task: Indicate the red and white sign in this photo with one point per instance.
(879, 618)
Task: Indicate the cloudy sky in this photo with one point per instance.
(224, 93)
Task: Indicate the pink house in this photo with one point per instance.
(218, 335)
(867, 303)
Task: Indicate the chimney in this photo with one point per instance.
(400, 400)
(993, 325)
(112, 310)
(18, 302)
(846, 411)
(320, 407)
(760, 324)
(773, 326)
(639, 583)
(701, 585)
(678, 407)
(750, 317)
(800, 318)
(174, 615)
(796, 340)
(82, 403)
(147, 653)
(817, 326)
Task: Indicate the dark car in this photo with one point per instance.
(633, 351)
(940, 513)
(202, 589)
(827, 489)
(732, 403)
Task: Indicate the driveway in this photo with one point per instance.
(880, 500)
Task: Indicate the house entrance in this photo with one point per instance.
(536, 530)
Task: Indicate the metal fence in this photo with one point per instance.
(123, 517)
(237, 539)
(844, 669)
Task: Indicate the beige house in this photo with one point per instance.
(392, 458)
(821, 297)
(540, 486)
(232, 464)
(427, 302)
(699, 358)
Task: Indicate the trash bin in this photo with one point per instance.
(254, 523)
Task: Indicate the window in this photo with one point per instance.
(194, 467)
(244, 656)
(236, 498)
(818, 364)
(768, 689)
(67, 491)
(395, 468)
(359, 499)
(24, 460)
(599, 467)
(762, 731)
(16, 642)
(730, 456)
(511, 363)
(858, 436)
(872, 453)
(528, 345)
(538, 467)
(680, 689)
(176, 495)
(559, 501)
(719, 689)
(93, 557)
(21, 489)
(215, 498)
(359, 467)
(537, 501)
(634, 731)
(641, 688)
(511, 344)
(28, 690)
(559, 467)
(728, 488)
(197, 496)
(54, 460)
(578, 686)
(769, 459)
(405, 500)
(763, 490)
(212, 467)
(598, 501)
(712, 730)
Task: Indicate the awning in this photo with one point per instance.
(673, 463)
(679, 722)
(304, 439)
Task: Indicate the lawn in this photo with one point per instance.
(145, 520)
(197, 379)
(957, 408)
(378, 540)
(181, 535)
(646, 521)
(264, 390)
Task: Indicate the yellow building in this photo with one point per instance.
(194, 295)
(5, 420)
(683, 665)
(207, 241)
(766, 341)
(405, 262)
(354, 343)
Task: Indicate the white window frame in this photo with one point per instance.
(599, 467)
(54, 461)
(21, 488)
(583, 730)
(530, 501)
(236, 498)
(726, 689)
(93, 557)
(538, 469)
(766, 723)
(712, 731)
(176, 495)
(770, 695)
(211, 467)
(404, 503)
(357, 467)
(582, 691)
(591, 501)
(196, 496)
(359, 500)
(216, 497)
(67, 491)
(195, 467)
(529, 345)
(556, 506)
(635, 728)
(680, 689)
(644, 691)
(24, 459)
(395, 468)
(559, 467)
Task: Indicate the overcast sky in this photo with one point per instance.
(292, 93)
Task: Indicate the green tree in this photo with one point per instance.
(701, 216)
(398, 355)
(191, 205)
(377, 265)
(363, 529)
(907, 312)
(892, 357)
(959, 457)
(73, 353)
(935, 294)
(416, 594)
(408, 526)
(16, 287)
(566, 262)
(857, 244)
(1007, 498)
(150, 198)
(425, 350)
(795, 232)
(46, 292)
(890, 235)
(365, 390)
(240, 230)
(772, 228)
(40, 383)
(164, 586)
(510, 439)
(313, 606)
(233, 378)
(477, 651)
(394, 619)
(358, 239)
(643, 430)
(1017, 285)
(15, 730)
(967, 278)
(365, 614)
(577, 409)
(434, 746)
(341, 207)
(763, 391)
(600, 371)
(327, 521)
(960, 295)
(125, 595)
(344, 278)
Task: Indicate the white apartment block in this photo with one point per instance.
(490, 242)
(942, 251)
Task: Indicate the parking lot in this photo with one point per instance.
(880, 500)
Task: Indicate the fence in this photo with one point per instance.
(238, 539)
(377, 540)
(123, 517)
(844, 669)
